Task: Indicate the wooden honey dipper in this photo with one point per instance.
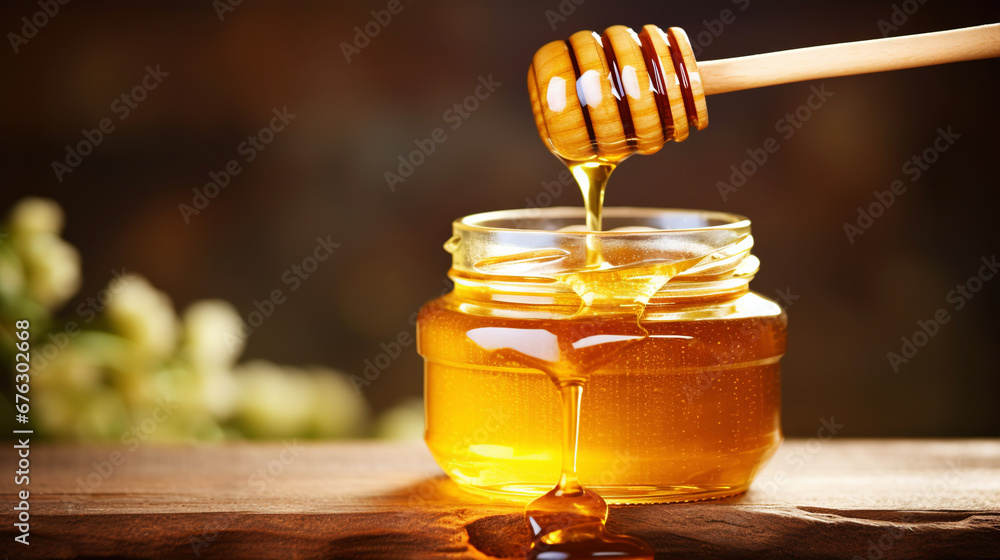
(605, 97)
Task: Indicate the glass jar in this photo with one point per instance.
(654, 316)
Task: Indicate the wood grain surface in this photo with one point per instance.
(879, 499)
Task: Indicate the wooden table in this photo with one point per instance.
(877, 499)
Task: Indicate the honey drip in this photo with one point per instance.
(592, 178)
(568, 522)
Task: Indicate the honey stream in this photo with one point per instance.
(568, 522)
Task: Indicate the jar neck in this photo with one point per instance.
(648, 257)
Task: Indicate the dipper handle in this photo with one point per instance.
(846, 59)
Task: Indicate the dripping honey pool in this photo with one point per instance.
(678, 358)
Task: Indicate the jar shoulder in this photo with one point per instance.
(748, 305)
(749, 328)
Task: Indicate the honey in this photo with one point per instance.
(665, 365)
(677, 413)
(592, 179)
(650, 376)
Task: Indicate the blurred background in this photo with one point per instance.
(316, 101)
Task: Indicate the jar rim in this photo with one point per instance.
(712, 257)
(715, 220)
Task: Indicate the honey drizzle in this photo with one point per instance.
(569, 518)
(592, 178)
(568, 521)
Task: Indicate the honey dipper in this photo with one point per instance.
(604, 97)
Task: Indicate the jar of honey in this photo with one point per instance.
(653, 319)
